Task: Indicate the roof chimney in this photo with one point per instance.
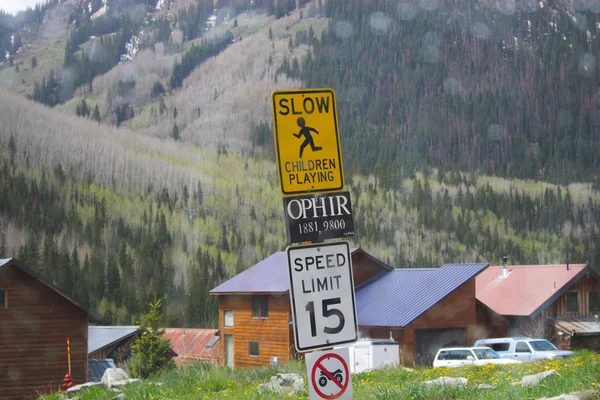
(567, 264)
(505, 269)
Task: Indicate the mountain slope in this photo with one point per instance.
(501, 87)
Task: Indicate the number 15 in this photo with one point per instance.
(327, 312)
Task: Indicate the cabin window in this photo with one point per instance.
(572, 302)
(2, 299)
(260, 307)
(594, 301)
(228, 318)
(253, 349)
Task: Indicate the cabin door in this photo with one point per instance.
(229, 350)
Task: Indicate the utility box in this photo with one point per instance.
(369, 354)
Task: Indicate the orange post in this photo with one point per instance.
(67, 381)
(69, 353)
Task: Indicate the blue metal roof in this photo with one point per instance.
(100, 337)
(268, 276)
(96, 368)
(400, 296)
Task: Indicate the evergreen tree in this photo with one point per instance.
(3, 250)
(113, 279)
(151, 351)
(49, 260)
(175, 132)
(76, 276)
(96, 114)
(64, 275)
(157, 89)
(82, 109)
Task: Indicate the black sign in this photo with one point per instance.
(317, 217)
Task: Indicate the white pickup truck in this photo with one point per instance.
(464, 356)
(524, 349)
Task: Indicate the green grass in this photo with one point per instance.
(203, 381)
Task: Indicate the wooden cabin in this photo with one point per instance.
(36, 320)
(255, 317)
(423, 309)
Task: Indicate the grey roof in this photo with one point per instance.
(4, 261)
(100, 337)
(402, 295)
(268, 276)
(96, 368)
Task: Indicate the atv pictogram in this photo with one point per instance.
(337, 374)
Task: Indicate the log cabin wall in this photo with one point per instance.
(35, 323)
(582, 288)
(272, 333)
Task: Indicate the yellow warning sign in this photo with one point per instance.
(307, 141)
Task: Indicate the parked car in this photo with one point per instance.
(463, 356)
(524, 349)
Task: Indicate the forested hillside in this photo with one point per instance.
(113, 217)
(500, 87)
(468, 129)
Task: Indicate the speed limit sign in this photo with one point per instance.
(322, 295)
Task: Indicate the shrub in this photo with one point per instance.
(151, 351)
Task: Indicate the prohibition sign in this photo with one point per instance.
(319, 366)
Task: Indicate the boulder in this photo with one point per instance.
(532, 380)
(585, 395)
(120, 384)
(113, 375)
(485, 386)
(447, 381)
(78, 388)
(386, 365)
(286, 383)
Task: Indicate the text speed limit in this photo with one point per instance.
(322, 295)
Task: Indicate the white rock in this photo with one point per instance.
(447, 381)
(113, 375)
(532, 380)
(120, 384)
(485, 386)
(386, 365)
(286, 383)
(83, 386)
(585, 395)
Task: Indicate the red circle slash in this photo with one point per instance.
(319, 366)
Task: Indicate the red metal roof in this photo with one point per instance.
(526, 288)
(189, 344)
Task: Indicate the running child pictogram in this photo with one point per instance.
(308, 139)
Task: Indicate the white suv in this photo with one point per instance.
(463, 356)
